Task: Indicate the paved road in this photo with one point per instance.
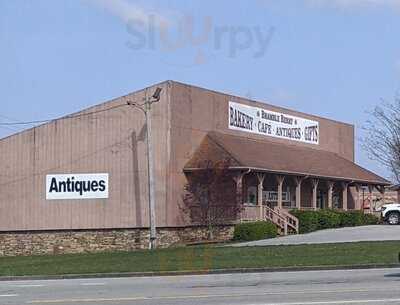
(342, 235)
(377, 286)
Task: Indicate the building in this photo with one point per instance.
(79, 183)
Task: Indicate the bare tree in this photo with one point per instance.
(210, 196)
(382, 138)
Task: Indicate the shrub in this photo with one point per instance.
(254, 230)
(351, 219)
(370, 219)
(310, 221)
(328, 219)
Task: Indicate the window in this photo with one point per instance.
(252, 195)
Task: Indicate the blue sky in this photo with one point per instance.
(334, 58)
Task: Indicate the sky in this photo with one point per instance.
(332, 58)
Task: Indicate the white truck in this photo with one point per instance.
(391, 213)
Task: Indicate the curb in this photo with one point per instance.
(196, 272)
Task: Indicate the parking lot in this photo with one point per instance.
(341, 235)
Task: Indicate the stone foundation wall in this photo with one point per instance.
(89, 241)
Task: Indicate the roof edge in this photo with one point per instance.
(387, 183)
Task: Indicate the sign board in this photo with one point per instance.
(270, 123)
(272, 196)
(77, 186)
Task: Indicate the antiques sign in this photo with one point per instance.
(269, 123)
(77, 186)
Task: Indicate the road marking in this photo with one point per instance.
(205, 296)
(27, 286)
(8, 295)
(93, 284)
(337, 302)
(385, 301)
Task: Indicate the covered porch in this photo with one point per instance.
(272, 178)
(258, 188)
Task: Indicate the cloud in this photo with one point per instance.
(128, 12)
(354, 4)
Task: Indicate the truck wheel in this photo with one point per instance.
(393, 218)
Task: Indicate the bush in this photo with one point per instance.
(370, 219)
(254, 231)
(328, 219)
(351, 219)
(310, 221)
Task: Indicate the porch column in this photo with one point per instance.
(370, 190)
(357, 205)
(260, 189)
(280, 179)
(298, 181)
(314, 183)
(382, 190)
(344, 195)
(330, 194)
(239, 187)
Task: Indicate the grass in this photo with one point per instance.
(204, 258)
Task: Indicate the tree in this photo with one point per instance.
(210, 196)
(382, 138)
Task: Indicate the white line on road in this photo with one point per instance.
(93, 284)
(206, 296)
(337, 302)
(27, 286)
(8, 295)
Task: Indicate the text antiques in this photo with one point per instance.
(76, 186)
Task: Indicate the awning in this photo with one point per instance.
(267, 156)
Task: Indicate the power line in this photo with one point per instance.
(9, 128)
(60, 118)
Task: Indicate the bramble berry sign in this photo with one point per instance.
(264, 122)
(79, 186)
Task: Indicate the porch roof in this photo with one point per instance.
(268, 156)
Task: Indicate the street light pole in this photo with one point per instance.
(150, 166)
(146, 108)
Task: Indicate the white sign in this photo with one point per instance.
(265, 122)
(79, 186)
(272, 196)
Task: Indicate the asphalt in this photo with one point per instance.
(374, 286)
(342, 235)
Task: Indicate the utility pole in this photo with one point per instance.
(146, 108)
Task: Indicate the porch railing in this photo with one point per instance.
(280, 217)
